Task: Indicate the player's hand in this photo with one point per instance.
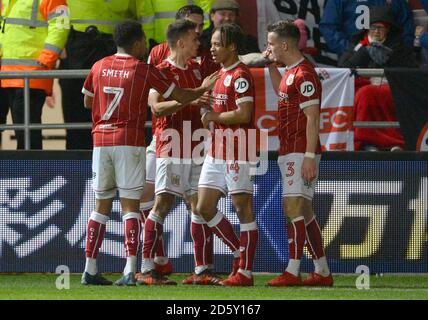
(210, 81)
(267, 55)
(419, 30)
(50, 101)
(309, 169)
(203, 101)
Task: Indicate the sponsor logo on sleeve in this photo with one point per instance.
(241, 85)
(307, 88)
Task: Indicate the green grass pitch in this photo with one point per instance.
(42, 286)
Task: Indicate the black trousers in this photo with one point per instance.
(4, 109)
(16, 103)
(83, 50)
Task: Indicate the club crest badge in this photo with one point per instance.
(227, 80)
(290, 80)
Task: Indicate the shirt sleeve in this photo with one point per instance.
(308, 87)
(244, 87)
(160, 82)
(152, 57)
(88, 86)
(55, 13)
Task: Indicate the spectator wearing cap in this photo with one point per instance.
(227, 11)
(338, 22)
(379, 47)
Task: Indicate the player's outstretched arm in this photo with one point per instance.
(185, 96)
(254, 59)
(241, 115)
(160, 107)
(275, 75)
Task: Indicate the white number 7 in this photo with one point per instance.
(118, 93)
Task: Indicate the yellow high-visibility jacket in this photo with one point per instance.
(158, 14)
(34, 33)
(103, 14)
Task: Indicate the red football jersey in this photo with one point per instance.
(300, 87)
(160, 52)
(235, 86)
(188, 77)
(120, 85)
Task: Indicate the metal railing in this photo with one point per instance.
(79, 74)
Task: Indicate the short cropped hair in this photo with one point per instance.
(285, 29)
(127, 33)
(178, 29)
(231, 33)
(186, 11)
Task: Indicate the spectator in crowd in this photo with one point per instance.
(424, 4)
(421, 41)
(32, 40)
(339, 21)
(227, 11)
(158, 14)
(90, 39)
(379, 47)
(258, 59)
(421, 36)
(300, 24)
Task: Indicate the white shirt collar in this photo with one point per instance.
(294, 65)
(123, 55)
(233, 66)
(175, 65)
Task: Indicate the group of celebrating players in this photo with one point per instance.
(191, 87)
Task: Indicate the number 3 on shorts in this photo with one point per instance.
(118, 94)
(290, 169)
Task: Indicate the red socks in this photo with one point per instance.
(95, 234)
(153, 230)
(314, 239)
(202, 241)
(296, 237)
(132, 226)
(224, 230)
(248, 244)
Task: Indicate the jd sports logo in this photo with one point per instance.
(241, 85)
(307, 88)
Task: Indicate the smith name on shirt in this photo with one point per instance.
(115, 73)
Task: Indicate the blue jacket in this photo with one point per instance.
(338, 22)
(425, 4)
(424, 36)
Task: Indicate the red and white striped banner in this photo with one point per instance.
(337, 113)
